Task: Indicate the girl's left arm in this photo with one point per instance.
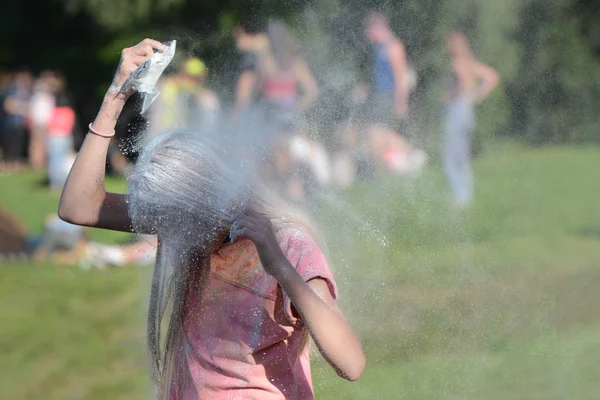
(312, 300)
(332, 334)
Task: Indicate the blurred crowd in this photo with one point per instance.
(38, 122)
(275, 88)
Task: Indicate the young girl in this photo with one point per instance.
(241, 310)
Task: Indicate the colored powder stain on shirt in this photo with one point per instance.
(243, 340)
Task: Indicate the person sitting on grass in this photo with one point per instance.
(243, 275)
(59, 241)
(141, 252)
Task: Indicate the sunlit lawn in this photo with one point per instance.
(497, 303)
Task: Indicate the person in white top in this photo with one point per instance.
(40, 110)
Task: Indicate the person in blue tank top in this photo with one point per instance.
(390, 80)
(379, 123)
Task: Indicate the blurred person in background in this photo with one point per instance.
(386, 101)
(185, 102)
(61, 124)
(390, 83)
(16, 106)
(59, 240)
(141, 252)
(249, 37)
(65, 243)
(276, 85)
(13, 234)
(470, 83)
(41, 107)
(273, 71)
(5, 81)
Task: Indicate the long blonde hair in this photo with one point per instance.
(189, 194)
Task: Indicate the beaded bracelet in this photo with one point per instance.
(100, 134)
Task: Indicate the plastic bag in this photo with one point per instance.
(145, 77)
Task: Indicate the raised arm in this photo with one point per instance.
(84, 199)
(397, 57)
(488, 78)
(332, 334)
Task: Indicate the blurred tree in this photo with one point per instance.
(555, 96)
(117, 14)
(588, 12)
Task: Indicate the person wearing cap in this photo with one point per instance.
(185, 102)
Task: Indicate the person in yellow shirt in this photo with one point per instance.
(184, 101)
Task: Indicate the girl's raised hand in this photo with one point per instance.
(131, 59)
(259, 229)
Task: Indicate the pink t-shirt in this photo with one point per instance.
(242, 339)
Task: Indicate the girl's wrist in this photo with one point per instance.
(107, 135)
(108, 115)
(114, 98)
(283, 271)
(112, 103)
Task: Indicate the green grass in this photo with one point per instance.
(499, 302)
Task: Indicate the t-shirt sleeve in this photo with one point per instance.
(310, 262)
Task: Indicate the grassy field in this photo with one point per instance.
(499, 302)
